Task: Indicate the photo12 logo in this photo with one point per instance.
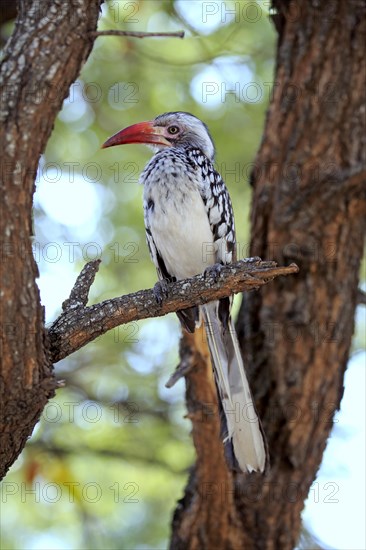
(230, 12)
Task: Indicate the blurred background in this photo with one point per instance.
(110, 457)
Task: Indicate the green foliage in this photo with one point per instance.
(110, 457)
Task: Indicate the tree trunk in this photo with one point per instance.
(42, 59)
(309, 208)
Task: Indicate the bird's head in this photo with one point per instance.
(168, 130)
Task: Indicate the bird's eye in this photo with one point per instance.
(173, 130)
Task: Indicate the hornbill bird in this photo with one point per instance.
(190, 229)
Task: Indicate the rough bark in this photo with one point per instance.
(78, 325)
(49, 45)
(309, 208)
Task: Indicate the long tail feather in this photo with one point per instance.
(243, 429)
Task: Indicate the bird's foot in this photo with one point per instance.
(252, 260)
(160, 291)
(213, 271)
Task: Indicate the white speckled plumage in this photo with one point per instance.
(181, 213)
(189, 227)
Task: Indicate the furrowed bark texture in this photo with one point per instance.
(308, 208)
(43, 57)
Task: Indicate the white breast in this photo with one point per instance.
(181, 233)
(176, 216)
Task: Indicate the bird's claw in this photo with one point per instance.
(160, 291)
(252, 260)
(213, 271)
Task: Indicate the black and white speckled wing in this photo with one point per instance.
(218, 208)
(156, 257)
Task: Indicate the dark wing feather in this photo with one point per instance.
(187, 317)
(218, 207)
(220, 214)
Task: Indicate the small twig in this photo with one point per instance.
(105, 452)
(182, 369)
(80, 292)
(138, 34)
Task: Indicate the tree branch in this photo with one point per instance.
(119, 454)
(78, 325)
(137, 34)
(80, 293)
